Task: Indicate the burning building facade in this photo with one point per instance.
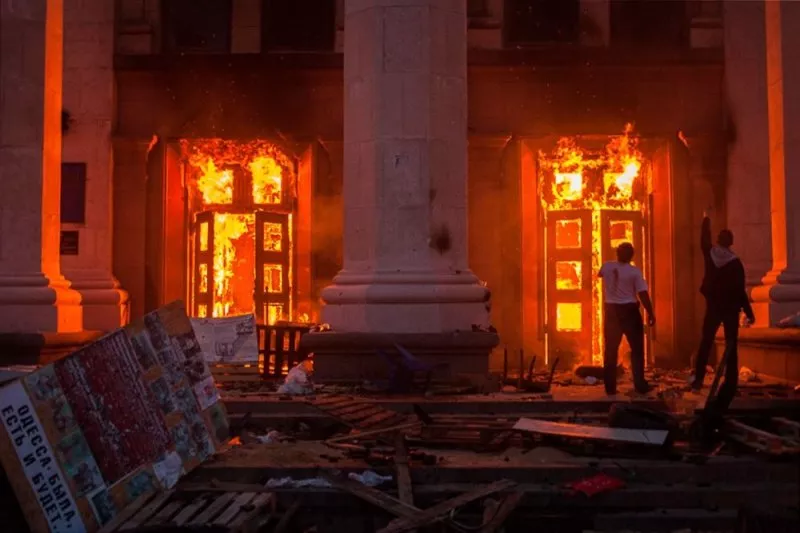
(226, 184)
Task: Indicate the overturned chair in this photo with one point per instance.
(405, 369)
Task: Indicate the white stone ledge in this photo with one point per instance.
(404, 293)
(39, 295)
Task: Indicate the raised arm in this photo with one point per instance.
(705, 234)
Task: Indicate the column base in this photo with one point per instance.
(37, 303)
(105, 304)
(41, 348)
(777, 298)
(772, 352)
(405, 302)
(353, 357)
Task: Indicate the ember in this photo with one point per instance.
(592, 200)
(240, 199)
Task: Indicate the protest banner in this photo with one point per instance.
(126, 415)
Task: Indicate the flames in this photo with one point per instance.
(235, 180)
(267, 177)
(574, 169)
(229, 230)
(590, 182)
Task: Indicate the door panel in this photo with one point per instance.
(618, 227)
(272, 290)
(568, 285)
(203, 286)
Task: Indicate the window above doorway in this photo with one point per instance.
(535, 22)
(196, 26)
(288, 25)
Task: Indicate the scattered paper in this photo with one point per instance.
(227, 340)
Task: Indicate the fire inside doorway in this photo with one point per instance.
(595, 195)
(240, 208)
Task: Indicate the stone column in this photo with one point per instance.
(779, 294)
(34, 296)
(405, 174)
(89, 98)
(747, 193)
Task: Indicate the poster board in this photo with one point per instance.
(228, 340)
(126, 415)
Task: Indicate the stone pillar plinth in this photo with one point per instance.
(89, 98)
(405, 266)
(34, 296)
(779, 293)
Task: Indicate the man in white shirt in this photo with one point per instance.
(623, 288)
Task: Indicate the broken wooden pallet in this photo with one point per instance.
(760, 440)
(358, 413)
(477, 436)
(236, 511)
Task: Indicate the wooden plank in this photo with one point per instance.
(166, 512)
(506, 507)
(361, 414)
(758, 439)
(381, 418)
(373, 432)
(190, 510)
(286, 519)
(252, 512)
(249, 376)
(231, 512)
(788, 428)
(147, 511)
(213, 510)
(404, 487)
(373, 496)
(224, 486)
(651, 437)
(126, 514)
(439, 512)
(327, 402)
(350, 409)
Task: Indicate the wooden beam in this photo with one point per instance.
(505, 508)
(374, 432)
(404, 488)
(286, 519)
(439, 512)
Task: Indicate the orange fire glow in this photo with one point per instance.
(576, 179)
(235, 181)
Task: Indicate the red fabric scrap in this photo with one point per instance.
(596, 484)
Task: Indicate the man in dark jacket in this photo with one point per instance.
(726, 296)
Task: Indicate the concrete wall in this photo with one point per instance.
(139, 28)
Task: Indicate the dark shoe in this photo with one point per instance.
(644, 390)
(611, 392)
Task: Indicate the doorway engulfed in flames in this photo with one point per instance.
(240, 198)
(592, 201)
